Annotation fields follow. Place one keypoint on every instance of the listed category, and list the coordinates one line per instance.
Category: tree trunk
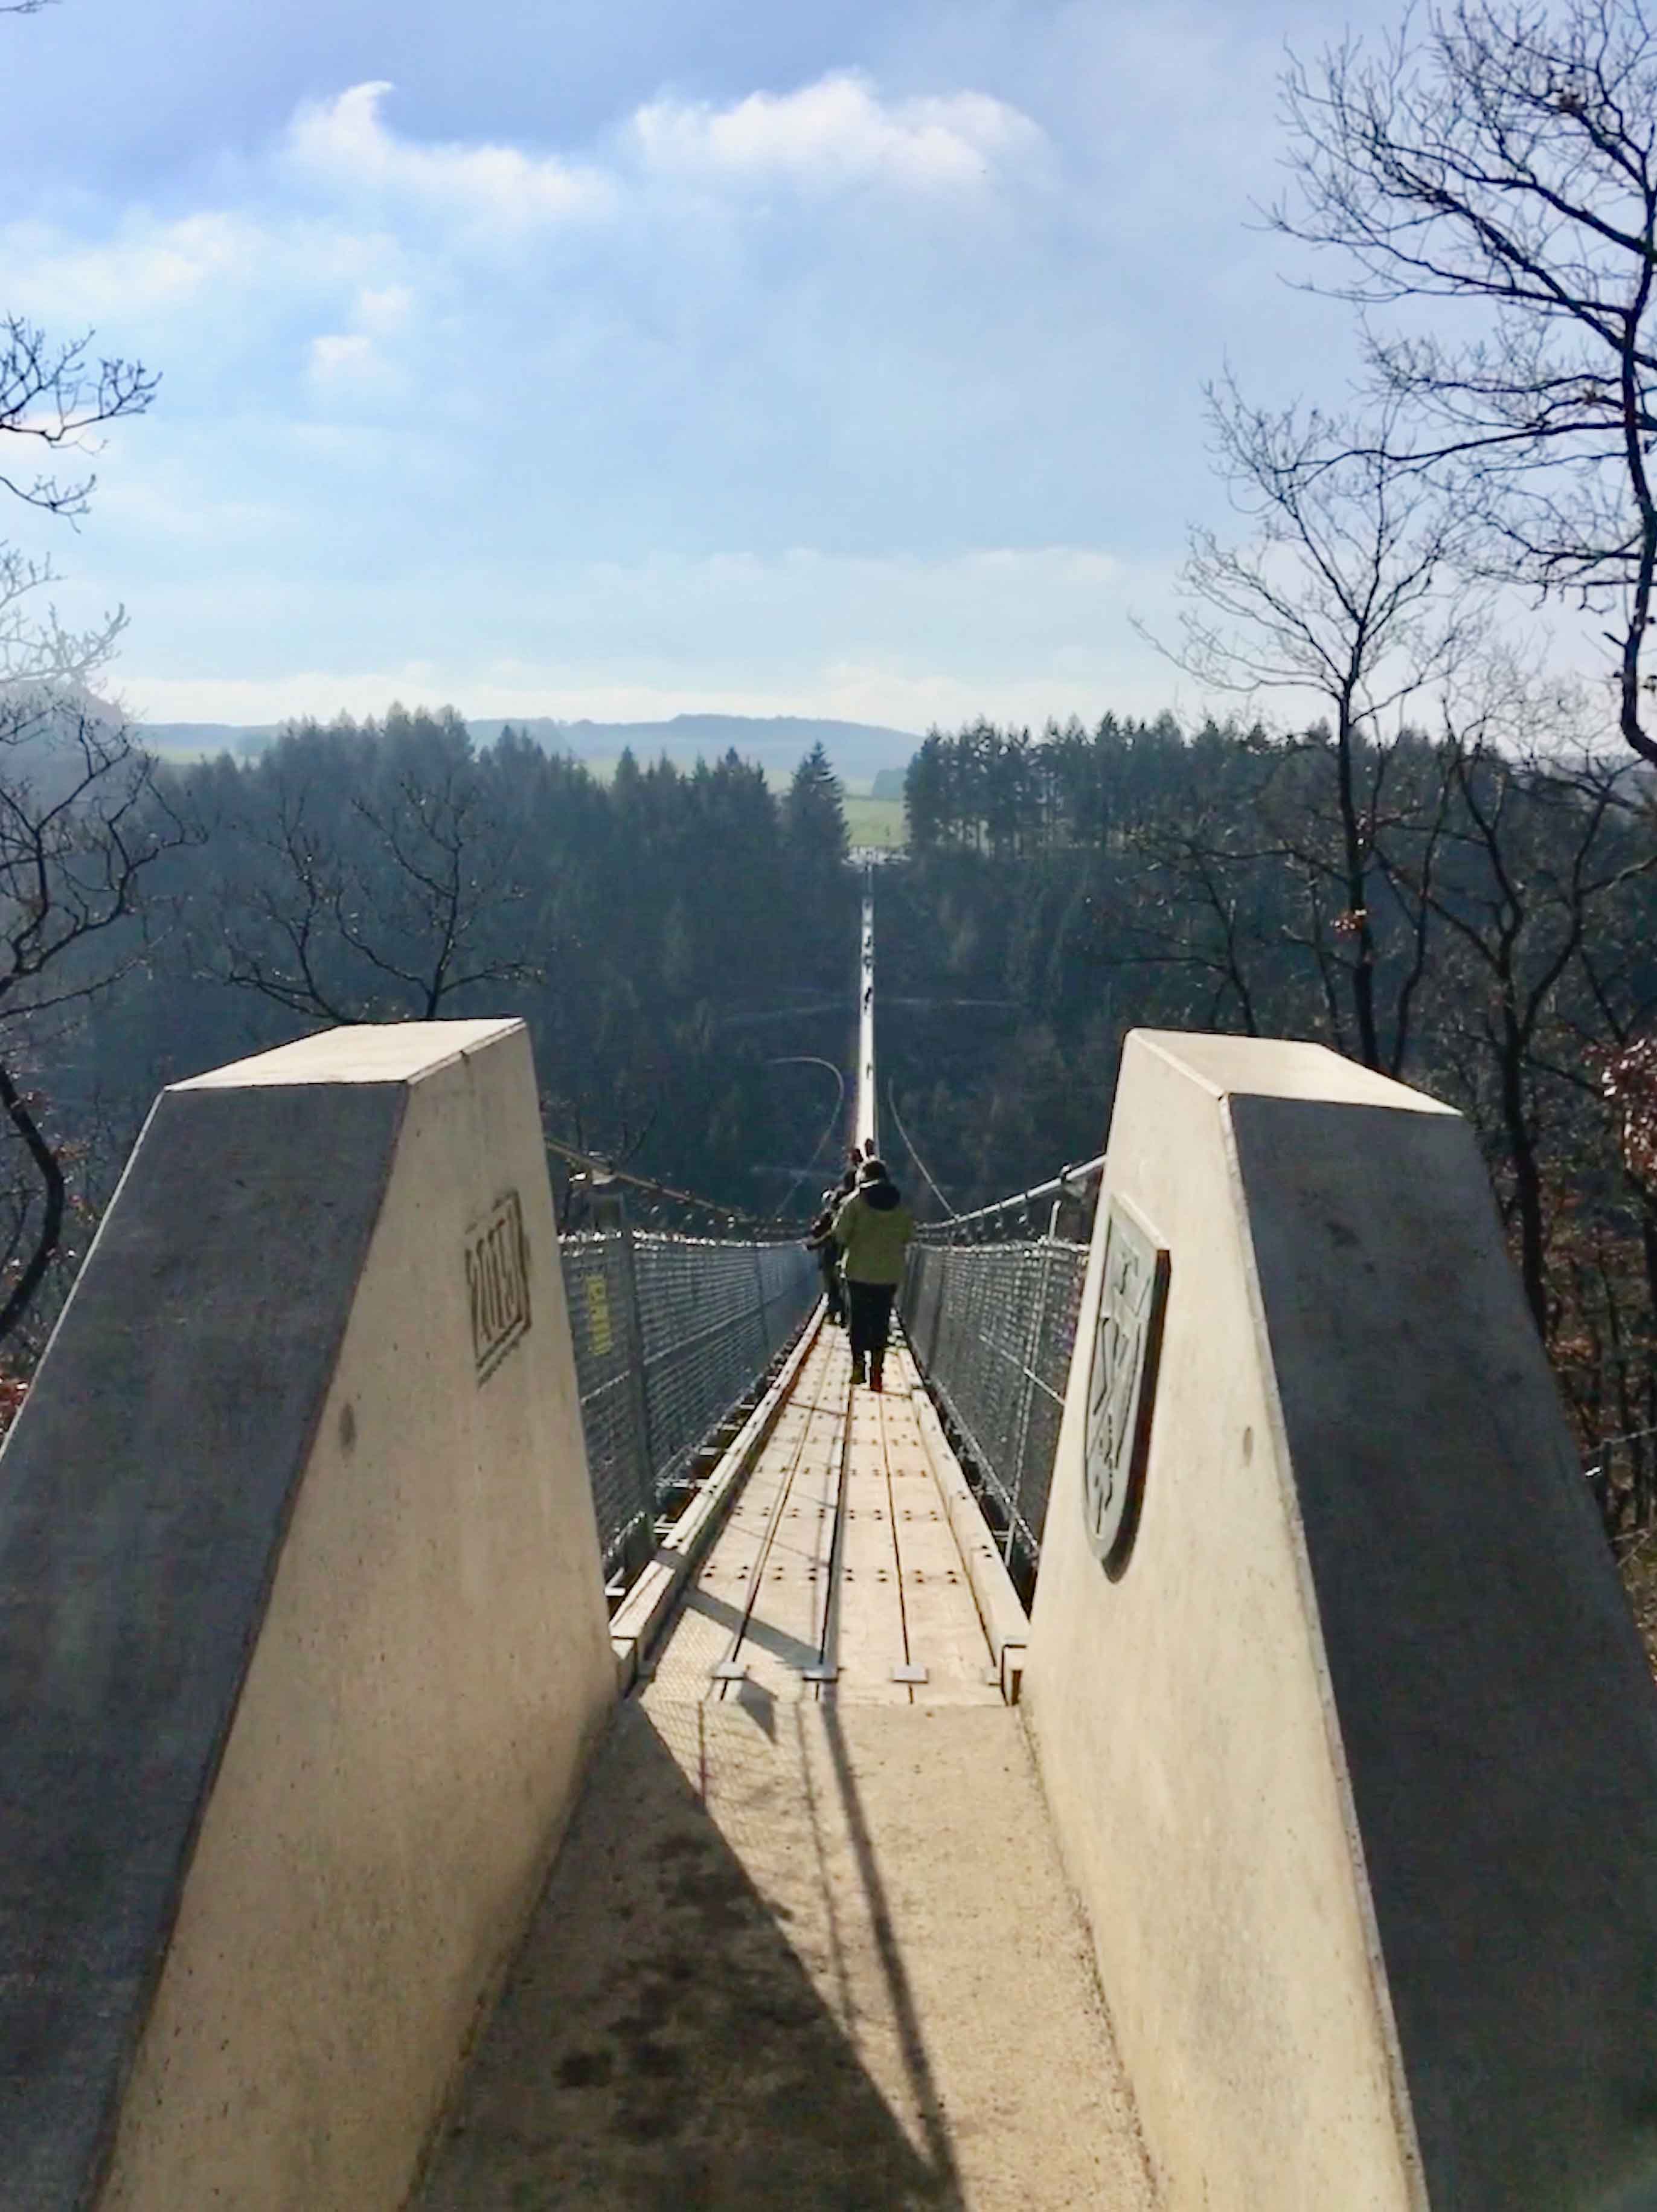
(52, 1220)
(1526, 1175)
(1358, 895)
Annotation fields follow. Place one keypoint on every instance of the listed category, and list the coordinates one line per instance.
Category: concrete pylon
(302, 1632)
(1347, 1732)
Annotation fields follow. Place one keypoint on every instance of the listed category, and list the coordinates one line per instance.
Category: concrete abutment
(1353, 1760)
(1348, 1745)
(303, 1643)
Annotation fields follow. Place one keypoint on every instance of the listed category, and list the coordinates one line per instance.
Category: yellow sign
(599, 1330)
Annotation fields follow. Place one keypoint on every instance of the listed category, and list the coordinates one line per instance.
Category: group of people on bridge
(860, 1237)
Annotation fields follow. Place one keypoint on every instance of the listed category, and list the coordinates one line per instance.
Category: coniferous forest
(1471, 911)
(1433, 851)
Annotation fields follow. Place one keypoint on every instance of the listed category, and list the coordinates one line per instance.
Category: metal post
(1032, 1351)
(759, 1297)
(642, 1543)
(935, 1263)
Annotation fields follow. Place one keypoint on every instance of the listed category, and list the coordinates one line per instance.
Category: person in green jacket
(872, 1229)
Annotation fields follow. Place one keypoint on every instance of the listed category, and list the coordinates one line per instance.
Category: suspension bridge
(493, 1719)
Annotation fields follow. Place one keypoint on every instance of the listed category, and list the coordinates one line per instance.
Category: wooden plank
(872, 1640)
(792, 1597)
(945, 1635)
(711, 1614)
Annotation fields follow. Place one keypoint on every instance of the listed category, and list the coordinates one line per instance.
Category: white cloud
(143, 264)
(343, 144)
(330, 354)
(345, 222)
(386, 309)
(1020, 633)
(172, 265)
(179, 285)
(343, 356)
(515, 399)
(835, 131)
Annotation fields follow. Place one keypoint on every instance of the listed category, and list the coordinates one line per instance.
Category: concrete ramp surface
(302, 1641)
(808, 1947)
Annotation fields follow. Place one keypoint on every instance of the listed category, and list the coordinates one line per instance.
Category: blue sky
(616, 360)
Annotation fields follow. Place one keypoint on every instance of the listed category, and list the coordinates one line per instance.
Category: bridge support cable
(671, 1332)
(803, 1174)
(866, 1124)
(921, 1168)
(989, 1303)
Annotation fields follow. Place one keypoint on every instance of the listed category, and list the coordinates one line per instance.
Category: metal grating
(670, 1332)
(991, 1327)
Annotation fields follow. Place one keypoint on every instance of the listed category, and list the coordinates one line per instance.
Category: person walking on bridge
(821, 1240)
(872, 1229)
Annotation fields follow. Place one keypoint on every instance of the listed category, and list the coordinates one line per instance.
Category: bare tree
(1201, 903)
(1502, 159)
(37, 648)
(1346, 591)
(53, 398)
(53, 395)
(1539, 843)
(1629, 1085)
(370, 875)
(1195, 917)
(82, 825)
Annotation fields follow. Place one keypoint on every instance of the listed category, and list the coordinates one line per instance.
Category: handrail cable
(811, 1060)
(1605, 1444)
(1059, 1185)
(602, 1168)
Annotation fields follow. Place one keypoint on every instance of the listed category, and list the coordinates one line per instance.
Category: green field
(876, 822)
(868, 821)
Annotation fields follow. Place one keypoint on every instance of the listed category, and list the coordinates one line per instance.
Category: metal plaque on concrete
(1122, 1380)
(497, 1283)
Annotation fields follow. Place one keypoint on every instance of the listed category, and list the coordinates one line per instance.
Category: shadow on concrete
(911, 2042)
(659, 2047)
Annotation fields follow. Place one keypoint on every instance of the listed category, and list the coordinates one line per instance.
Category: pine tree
(815, 823)
(816, 847)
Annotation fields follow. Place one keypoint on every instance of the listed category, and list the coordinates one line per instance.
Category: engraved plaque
(497, 1283)
(1122, 1381)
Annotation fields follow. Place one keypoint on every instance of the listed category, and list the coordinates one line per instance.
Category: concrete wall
(1355, 1765)
(303, 1640)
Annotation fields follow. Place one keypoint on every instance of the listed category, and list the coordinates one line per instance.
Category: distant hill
(192, 739)
(859, 751)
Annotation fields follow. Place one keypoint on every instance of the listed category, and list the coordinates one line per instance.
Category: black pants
(871, 1316)
(833, 1288)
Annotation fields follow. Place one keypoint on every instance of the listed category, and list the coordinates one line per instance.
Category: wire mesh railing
(670, 1332)
(989, 1305)
(1623, 1477)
